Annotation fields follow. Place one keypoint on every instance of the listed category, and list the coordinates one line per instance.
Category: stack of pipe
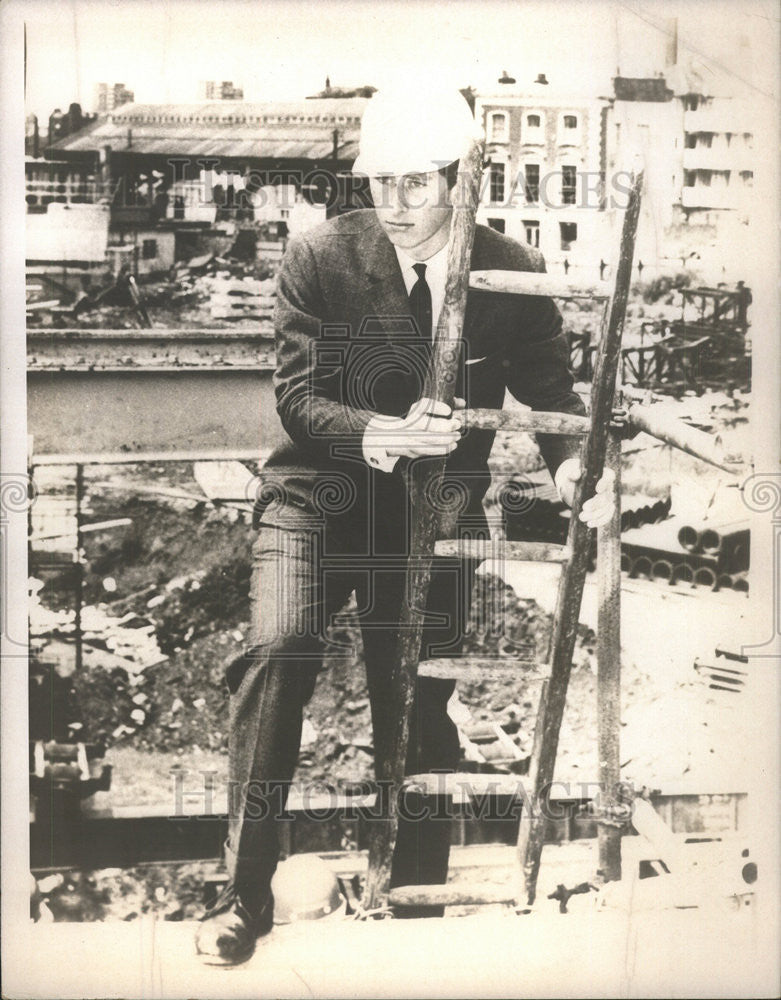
(637, 510)
(727, 542)
(710, 554)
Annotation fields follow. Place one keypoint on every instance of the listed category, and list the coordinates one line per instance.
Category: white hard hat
(305, 888)
(407, 131)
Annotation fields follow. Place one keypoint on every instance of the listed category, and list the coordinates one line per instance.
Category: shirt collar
(436, 265)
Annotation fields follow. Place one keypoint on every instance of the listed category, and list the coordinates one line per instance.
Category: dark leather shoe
(230, 928)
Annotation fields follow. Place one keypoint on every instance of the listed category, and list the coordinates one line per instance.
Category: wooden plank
(169, 337)
(225, 480)
(473, 668)
(546, 736)
(472, 548)
(120, 522)
(475, 894)
(533, 421)
(425, 520)
(134, 457)
(463, 785)
(609, 668)
(534, 283)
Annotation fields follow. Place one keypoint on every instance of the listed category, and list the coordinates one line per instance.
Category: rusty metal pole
(79, 596)
(673, 431)
(609, 669)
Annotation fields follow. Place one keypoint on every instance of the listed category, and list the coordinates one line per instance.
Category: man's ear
(450, 194)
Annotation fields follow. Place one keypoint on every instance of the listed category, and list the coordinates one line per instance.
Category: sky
(277, 49)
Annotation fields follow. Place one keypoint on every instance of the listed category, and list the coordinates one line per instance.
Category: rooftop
(258, 130)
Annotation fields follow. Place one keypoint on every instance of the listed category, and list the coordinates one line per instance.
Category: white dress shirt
(436, 278)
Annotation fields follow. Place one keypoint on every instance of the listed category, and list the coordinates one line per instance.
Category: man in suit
(357, 304)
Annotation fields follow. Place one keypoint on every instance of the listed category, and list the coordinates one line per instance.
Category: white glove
(597, 510)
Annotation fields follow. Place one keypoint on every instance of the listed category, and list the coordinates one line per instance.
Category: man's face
(414, 210)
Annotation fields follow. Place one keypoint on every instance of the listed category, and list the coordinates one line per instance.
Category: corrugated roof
(278, 130)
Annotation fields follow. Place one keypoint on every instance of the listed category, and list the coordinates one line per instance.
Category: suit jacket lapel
(475, 303)
(387, 292)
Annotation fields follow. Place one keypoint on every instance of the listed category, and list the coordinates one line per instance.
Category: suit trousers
(302, 576)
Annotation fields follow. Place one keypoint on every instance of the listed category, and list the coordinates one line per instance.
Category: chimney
(506, 78)
(541, 78)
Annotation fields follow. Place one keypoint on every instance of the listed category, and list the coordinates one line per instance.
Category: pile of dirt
(169, 892)
(185, 568)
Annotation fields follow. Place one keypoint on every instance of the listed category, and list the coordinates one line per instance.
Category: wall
(162, 243)
(68, 233)
(71, 411)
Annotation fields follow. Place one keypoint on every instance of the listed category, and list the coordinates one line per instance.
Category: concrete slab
(674, 953)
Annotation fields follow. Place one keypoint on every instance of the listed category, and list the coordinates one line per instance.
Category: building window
(569, 234)
(533, 129)
(497, 183)
(532, 230)
(705, 140)
(532, 179)
(689, 178)
(569, 130)
(568, 181)
(747, 176)
(497, 224)
(149, 249)
(691, 102)
(691, 140)
(498, 130)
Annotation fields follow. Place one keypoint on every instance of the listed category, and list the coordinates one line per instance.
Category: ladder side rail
(425, 521)
(609, 673)
(570, 592)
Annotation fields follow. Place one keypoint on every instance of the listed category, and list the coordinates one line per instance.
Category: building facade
(214, 90)
(559, 168)
(111, 95)
(545, 180)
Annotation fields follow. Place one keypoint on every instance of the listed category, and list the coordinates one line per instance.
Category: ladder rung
(483, 549)
(475, 668)
(533, 421)
(473, 894)
(462, 785)
(534, 283)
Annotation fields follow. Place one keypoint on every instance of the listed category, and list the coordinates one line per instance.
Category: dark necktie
(420, 302)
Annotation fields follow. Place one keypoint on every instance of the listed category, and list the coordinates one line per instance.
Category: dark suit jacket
(347, 349)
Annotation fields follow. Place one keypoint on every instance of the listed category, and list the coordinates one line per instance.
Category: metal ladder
(428, 525)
